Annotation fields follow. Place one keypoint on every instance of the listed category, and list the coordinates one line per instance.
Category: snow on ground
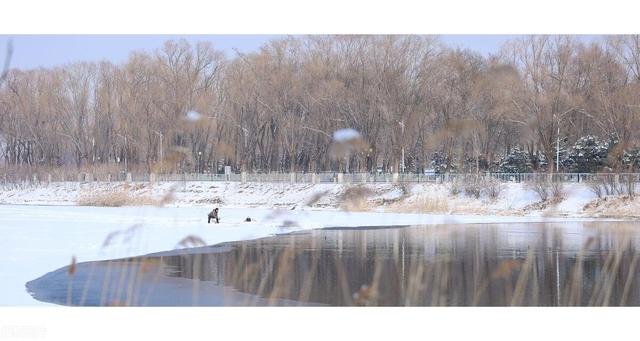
(576, 198)
(39, 239)
(514, 199)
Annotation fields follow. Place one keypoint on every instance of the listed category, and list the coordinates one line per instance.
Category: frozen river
(530, 264)
(36, 240)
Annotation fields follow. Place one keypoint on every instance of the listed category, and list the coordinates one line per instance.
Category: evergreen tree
(516, 161)
(539, 162)
(588, 155)
(470, 164)
(631, 159)
(442, 164)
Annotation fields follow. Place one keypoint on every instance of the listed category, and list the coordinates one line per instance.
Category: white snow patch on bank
(513, 197)
(575, 198)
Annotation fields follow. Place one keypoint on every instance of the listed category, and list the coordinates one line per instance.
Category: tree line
(190, 107)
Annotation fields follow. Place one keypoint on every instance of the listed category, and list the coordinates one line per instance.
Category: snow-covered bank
(514, 198)
(38, 239)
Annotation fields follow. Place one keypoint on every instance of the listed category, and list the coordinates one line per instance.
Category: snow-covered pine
(588, 154)
(631, 159)
(470, 164)
(442, 164)
(516, 161)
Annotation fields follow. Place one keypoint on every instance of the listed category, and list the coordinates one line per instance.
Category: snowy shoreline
(516, 199)
(42, 228)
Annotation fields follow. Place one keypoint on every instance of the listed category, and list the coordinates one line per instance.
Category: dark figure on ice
(213, 215)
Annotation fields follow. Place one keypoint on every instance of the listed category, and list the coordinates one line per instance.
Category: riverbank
(512, 199)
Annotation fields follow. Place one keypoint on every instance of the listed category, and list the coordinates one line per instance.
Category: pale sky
(33, 51)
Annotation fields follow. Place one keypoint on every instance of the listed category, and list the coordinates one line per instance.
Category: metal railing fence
(11, 181)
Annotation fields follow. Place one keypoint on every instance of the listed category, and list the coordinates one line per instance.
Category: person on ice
(213, 215)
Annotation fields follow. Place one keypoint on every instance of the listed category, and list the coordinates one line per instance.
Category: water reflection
(459, 265)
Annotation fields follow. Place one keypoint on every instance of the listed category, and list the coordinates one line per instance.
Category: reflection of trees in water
(481, 265)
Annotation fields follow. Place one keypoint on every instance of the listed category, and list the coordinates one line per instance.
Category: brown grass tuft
(355, 199)
(424, 204)
(72, 267)
(614, 207)
(119, 198)
(315, 198)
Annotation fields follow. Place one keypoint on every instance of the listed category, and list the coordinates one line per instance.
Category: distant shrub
(493, 187)
(472, 186)
(355, 198)
(546, 187)
(629, 184)
(455, 186)
(557, 189)
(405, 188)
(119, 198)
(475, 186)
(427, 203)
(611, 184)
(597, 186)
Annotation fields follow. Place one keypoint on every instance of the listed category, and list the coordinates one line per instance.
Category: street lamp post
(558, 149)
(559, 118)
(401, 123)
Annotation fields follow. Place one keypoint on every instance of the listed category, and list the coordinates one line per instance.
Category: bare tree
(189, 108)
